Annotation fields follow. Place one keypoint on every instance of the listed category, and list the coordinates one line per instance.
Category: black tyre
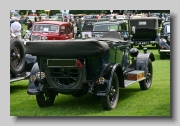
(157, 46)
(131, 45)
(162, 55)
(140, 46)
(45, 99)
(110, 101)
(17, 56)
(146, 84)
(158, 49)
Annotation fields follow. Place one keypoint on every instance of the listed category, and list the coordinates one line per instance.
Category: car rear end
(146, 30)
(66, 71)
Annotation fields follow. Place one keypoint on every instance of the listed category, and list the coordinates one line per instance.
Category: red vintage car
(51, 30)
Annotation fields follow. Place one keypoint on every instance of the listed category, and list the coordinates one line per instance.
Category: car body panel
(52, 30)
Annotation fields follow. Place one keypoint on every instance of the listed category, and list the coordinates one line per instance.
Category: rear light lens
(168, 38)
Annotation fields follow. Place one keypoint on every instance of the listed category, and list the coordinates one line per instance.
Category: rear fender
(30, 61)
(163, 43)
(34, 86)
(142, 60)
(107, 73)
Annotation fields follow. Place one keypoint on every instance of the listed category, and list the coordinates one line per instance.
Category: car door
(68, 32)
(63, 32)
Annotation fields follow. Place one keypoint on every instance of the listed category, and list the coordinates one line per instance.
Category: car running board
(17, 79)
(133, 77)
(129, 82)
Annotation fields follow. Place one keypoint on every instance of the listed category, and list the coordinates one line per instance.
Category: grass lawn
(132, 100)
(24, 28)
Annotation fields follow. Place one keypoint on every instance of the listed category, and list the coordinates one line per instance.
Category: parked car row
(102, 61)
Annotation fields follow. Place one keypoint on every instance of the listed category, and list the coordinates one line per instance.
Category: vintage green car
(98, 66)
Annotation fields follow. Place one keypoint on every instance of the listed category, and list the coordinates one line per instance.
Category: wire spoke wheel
(110, 101)
(146, 84)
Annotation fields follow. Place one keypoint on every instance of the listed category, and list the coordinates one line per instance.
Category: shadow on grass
(127, 92)
(157, 57)
(87, 104)
(17, 88)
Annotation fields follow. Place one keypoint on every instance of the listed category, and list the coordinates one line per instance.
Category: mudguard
(163, 43)
(34, 86)
(107, 73)
(29, 62)
(157, 38)
(142, 60)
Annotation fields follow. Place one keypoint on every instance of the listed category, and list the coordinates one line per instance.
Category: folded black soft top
(66, 48)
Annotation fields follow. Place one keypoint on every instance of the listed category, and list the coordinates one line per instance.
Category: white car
(31, 18)
(120, 17)
(43, 16)
(53, 18)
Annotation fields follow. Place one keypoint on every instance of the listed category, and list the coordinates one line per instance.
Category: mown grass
(132, 100)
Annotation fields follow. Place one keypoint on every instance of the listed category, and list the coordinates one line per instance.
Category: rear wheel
(162, 55)
(45, 99)
(146, 84)
(110, 101)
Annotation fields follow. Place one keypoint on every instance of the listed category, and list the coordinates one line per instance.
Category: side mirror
(133, 30)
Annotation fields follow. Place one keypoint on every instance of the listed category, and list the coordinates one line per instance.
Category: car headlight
(44, 38)
(168, 38)
(33, 78)
(40, 75)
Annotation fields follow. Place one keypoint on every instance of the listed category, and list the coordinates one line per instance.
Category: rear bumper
(144, 42)
(164, 50)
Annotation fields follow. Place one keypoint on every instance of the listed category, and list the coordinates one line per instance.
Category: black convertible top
(66, 48)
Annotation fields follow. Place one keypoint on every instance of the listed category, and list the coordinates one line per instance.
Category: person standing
(16, 29)
(35, 19)
(10, 16)
(76, 24)
(29, 25)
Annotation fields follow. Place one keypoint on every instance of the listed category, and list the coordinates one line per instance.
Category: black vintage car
(164, 42)
(146, 31)
(98, 66)
(20, 62)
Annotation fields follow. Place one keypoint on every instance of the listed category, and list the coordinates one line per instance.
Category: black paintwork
(164, 43)
(146, 31)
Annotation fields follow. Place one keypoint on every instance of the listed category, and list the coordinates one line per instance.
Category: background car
(53, 18)
(102, 27)
(43, 16)
(51, 30)
(20, 62)
(31, 18)
(164, 42)
(145, 31)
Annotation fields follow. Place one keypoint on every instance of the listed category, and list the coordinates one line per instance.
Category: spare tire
(17, 56)
(65, 79)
